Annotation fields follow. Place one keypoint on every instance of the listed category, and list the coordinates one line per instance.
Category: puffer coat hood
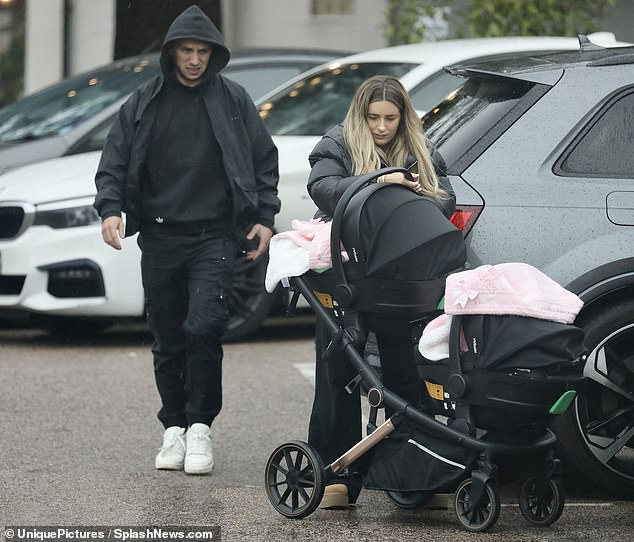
(193, 24)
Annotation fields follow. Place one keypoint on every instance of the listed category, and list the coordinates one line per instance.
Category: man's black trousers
(187, 280)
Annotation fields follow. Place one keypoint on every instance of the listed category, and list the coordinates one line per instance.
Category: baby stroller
(479, 411)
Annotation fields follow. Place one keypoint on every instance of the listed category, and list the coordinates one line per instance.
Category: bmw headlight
(66, 214)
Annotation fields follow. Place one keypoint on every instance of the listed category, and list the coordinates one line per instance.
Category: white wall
(92, 33)
(620, 20)
(270, 23)
(246, 23)
(5, 37)
(43, 52)
(91, 40)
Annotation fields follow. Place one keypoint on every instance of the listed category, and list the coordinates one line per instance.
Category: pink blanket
(293, 252)
(510, 288)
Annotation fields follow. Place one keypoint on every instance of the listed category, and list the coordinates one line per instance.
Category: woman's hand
(398, 177)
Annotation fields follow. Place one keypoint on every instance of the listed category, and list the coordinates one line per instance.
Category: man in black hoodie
(193, 168)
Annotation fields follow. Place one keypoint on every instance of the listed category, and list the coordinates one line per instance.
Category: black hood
(193, 24)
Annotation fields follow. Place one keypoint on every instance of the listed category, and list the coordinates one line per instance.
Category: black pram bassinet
(401, 249)
(514, 370)
(391, 233)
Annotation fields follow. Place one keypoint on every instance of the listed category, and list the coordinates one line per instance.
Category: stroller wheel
(541, 507)
(409, 500)
(295, 479)
(476, 517)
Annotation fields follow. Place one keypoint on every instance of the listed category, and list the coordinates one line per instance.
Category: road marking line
(307, 370)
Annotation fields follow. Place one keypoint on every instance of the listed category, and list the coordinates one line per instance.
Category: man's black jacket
(248, 152)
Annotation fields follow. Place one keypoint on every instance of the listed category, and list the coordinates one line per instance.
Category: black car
(539, 149)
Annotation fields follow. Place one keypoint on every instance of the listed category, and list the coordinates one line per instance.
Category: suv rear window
(310, 107)
(470, 119)
(605, 147)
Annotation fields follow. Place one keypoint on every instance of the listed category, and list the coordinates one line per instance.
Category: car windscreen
(472, 117)
(58, 108)
(263, 78)
(311, 106)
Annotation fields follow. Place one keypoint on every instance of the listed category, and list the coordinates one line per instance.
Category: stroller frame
(295, 476)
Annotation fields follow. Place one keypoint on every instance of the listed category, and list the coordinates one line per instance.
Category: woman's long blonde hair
(409, 139)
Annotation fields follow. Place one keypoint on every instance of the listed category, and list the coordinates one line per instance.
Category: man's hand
(112, 230)
(264, 234)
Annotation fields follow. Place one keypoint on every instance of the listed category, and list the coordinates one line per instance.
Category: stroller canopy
(390, 232)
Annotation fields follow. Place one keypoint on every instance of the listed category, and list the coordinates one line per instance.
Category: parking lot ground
(79, 435)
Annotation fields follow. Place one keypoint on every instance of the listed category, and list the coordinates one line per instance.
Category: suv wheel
(250, 303)
(597, 432)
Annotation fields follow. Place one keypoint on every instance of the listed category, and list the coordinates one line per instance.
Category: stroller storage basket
(413, 460)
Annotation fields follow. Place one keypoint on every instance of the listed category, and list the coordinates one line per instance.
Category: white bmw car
(54, 265)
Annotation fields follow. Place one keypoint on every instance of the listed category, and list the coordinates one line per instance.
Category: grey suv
(540, 151)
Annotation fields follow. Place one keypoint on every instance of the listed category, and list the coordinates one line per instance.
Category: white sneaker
(199, 458)
(171, 455)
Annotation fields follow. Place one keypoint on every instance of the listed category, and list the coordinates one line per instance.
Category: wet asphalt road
(78, 437)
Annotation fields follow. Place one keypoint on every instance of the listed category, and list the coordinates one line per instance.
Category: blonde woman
(381, 129)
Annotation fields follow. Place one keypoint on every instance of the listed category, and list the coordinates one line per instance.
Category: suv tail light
(465, 217)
